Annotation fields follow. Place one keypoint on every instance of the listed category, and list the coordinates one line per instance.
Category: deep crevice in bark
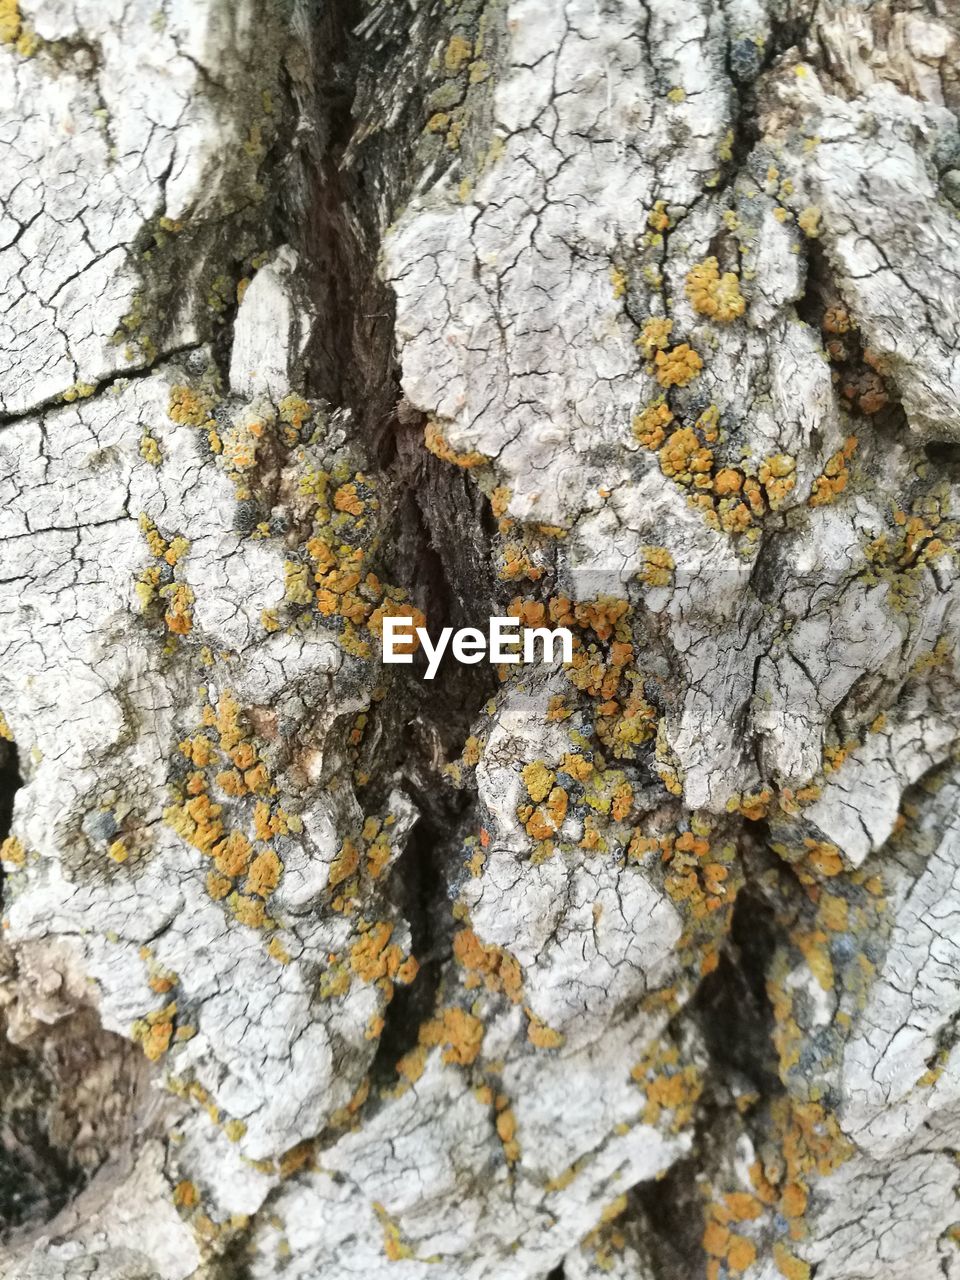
(73, 1103)
(731, 1006)
(36, 1177)
(438, 544)
(421, 893)
(10, 782)
(672, 1210)
(350, 361)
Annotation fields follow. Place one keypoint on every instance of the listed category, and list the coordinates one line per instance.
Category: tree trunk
(637, 317)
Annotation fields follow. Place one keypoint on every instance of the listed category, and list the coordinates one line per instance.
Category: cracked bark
(640, 317)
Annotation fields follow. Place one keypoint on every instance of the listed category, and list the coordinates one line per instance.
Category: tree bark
(632, 316)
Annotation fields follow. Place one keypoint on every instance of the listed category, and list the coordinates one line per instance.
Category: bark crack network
(636, 319)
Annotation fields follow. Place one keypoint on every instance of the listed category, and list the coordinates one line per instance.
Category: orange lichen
(179, 614)
(185, 1195)
(345, 863)
(678, 366)
(155, 1031)
(232, 856)
(368, 958)
(658, 219)
(176, 550)
(540, 1035)
(823, 858)
(458, 1031)
(434, 440)
(392, 609)
(487, 964)
(546, 819)
(685, 459)
(668, 1085)
(741, 1253)
(713, 294)
(788, 1264)
(837, 320)
(832, 482)
(199, 750)
(649, 426)
(264, 874)
(347, 499)
(727, 481)
(197, 821)
(500, 500)
(506, 1131)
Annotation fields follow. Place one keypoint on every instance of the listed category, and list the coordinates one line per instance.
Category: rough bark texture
(637, 315)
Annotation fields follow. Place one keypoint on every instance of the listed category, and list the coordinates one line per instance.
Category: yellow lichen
(9, 21)
(649, 426)
(538, 780)
(394, 1246)
(150, 449)
(506, 1123)
(808, 220)
(777, 474)
(178, 615)
(658, 566)
(457, 52)
(296, 583)
(248, 911)
(655, 335)
(189, 407)
(13, 852)
(658, 219)
(294, 411)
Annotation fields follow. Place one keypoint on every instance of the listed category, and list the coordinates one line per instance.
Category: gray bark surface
(635, 316)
